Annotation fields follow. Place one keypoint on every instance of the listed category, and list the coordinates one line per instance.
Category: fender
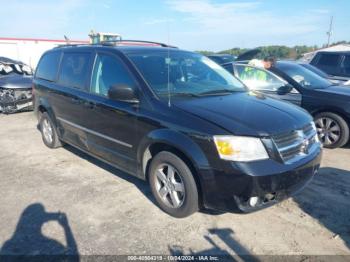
(176, 140)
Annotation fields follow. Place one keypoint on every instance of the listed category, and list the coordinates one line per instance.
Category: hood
(16, 81)
(248, 55)
(337, 90)
(247, 114)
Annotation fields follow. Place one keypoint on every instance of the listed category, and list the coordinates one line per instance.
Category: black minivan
(178, 120)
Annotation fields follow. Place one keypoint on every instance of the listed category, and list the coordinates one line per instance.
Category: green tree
(277, 51)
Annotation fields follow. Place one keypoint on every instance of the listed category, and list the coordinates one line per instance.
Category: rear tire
(173, 185)
(48, 131)
(332, 129)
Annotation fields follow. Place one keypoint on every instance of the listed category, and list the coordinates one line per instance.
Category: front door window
(108, 71)
(258, 79)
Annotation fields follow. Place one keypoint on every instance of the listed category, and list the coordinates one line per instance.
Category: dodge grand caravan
(179, 121)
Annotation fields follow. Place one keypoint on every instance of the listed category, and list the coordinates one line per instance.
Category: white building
(335, 48)
(28, 50)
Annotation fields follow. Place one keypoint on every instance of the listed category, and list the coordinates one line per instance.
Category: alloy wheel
(170, 186)
(47, 131)
(328, 130)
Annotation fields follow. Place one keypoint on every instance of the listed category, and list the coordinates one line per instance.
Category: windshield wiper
(217, 92)
(184, 94)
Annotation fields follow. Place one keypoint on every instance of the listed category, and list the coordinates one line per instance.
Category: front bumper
(14, 100)
(268, 181)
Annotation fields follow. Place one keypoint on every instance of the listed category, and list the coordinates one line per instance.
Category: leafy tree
(277, 51)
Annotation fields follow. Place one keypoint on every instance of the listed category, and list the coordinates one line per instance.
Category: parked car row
(15, 86)
(179, 121)
(290, 81)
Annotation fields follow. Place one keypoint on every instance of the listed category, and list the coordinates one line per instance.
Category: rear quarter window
(346, 66)
(74, 70)
(329, 60)
(48, 66)
(228, 67)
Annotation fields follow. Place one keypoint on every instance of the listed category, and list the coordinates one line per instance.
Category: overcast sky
(190, 24)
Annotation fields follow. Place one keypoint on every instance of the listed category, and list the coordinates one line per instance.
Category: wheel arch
(177, 143)
(333, 110)
(44, 106)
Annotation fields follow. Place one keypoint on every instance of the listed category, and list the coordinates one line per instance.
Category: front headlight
(240, 148)
(313, 125)
(317, 140)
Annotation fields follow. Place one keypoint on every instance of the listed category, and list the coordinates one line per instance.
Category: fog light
(253, 201)
(270, 196)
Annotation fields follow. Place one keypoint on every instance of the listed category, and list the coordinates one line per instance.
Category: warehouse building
(29, 50)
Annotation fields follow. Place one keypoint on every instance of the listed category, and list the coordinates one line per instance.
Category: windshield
(305, 77)
(315, 70)
(180, 73)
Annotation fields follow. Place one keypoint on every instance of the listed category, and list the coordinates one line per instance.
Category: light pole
(330, 31)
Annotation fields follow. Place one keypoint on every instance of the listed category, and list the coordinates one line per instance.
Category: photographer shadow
(28, 239)
(226, 235)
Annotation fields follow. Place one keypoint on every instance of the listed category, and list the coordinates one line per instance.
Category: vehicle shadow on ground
(140, 184)
(28, 239)
(216, 235)
(327, 200)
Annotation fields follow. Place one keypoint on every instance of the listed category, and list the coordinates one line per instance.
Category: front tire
(173, 185)
(332, 129)
(48, 131)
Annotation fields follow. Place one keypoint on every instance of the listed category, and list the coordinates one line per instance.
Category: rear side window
(74, 69)
(48, 66)
(329, 60)
(108, 71)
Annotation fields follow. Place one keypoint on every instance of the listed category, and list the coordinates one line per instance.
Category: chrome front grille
(296, 144)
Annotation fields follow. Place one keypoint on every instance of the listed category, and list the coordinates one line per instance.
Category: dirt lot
(109, 212)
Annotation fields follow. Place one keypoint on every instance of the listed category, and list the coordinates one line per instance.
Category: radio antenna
(168, 64)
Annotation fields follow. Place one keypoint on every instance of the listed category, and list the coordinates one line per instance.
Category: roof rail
(70, 45)
(114, 42)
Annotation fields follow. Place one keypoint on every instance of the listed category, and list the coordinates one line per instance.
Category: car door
(111, 128)
(69, 97)
(265, 82)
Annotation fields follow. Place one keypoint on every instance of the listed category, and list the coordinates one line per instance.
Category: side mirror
(122, 92)
(283, 90)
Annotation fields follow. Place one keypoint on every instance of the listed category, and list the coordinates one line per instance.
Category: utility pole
(330, 31)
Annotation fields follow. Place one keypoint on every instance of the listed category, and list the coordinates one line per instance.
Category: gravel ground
(63, 201)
